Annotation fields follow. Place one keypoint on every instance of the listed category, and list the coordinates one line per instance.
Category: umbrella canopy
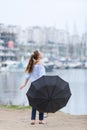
(48, 94)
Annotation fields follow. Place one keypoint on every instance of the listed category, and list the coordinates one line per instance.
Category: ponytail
(29, 67)
(33, 59)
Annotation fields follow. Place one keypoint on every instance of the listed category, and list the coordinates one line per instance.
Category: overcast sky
(62, 14)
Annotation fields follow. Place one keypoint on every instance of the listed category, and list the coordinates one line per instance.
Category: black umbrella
(48, 94)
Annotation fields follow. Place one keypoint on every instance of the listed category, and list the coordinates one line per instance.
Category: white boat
(11, 66)
(73, 64)
(85, 65)
(49, 66)
(76, 64)
(58, 65)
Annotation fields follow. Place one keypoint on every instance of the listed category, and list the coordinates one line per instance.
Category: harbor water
(10, 94)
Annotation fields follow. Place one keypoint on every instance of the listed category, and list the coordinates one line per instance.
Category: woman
(34, 71)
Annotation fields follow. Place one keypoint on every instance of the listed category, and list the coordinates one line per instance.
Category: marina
(19, 66)
(63, 54)
(58, 46)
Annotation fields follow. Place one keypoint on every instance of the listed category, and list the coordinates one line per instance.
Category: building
(8, 42)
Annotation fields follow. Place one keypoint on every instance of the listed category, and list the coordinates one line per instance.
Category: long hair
(33, 59)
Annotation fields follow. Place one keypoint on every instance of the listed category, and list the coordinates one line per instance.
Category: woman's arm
(27, 77)
(24, 84)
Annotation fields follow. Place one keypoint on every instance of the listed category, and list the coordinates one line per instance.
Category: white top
(37, 72)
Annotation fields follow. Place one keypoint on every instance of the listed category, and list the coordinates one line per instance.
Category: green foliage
(15, 107)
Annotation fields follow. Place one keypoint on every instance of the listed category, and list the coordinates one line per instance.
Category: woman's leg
(33, 116)
(41, 118)
(41, 115)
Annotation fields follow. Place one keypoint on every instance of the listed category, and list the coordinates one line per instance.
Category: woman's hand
(24, 84)
(22, 87)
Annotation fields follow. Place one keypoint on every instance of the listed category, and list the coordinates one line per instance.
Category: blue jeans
(33, 114)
